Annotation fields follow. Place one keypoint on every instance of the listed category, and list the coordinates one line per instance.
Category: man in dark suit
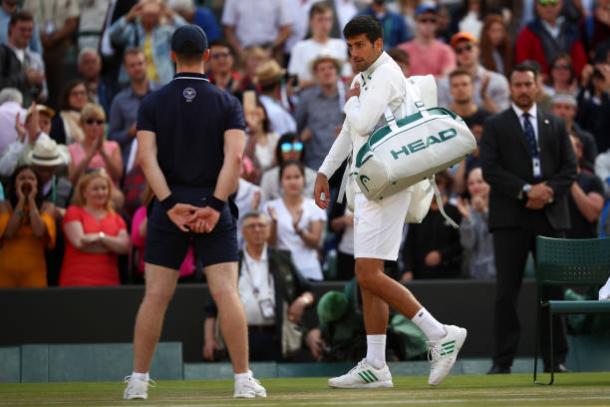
(529, 163)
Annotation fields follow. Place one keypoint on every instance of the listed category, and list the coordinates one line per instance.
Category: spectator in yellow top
(27, 227)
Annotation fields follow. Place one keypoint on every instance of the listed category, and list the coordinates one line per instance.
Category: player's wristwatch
(525, 190)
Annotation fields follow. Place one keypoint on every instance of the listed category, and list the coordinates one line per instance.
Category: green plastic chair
(569, 262)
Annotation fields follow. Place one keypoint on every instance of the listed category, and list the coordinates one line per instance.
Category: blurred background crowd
(73, 199)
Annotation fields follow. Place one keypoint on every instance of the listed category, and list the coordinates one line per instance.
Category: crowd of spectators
(73, 200)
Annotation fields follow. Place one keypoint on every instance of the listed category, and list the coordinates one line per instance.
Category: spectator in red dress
(95, 234)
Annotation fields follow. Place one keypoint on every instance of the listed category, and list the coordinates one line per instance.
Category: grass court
(572, 389)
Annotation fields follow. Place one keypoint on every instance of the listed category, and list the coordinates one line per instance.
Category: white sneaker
(443, 353)
(137, 389)
(363, 376)
(248, 389)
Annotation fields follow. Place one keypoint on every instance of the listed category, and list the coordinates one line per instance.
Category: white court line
(271, 401)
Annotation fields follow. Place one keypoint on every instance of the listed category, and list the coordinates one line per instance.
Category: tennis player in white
(378, 224)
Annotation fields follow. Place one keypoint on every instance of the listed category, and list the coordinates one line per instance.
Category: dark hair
(287, 164)
(363, 25)
(269, 87)
(527, 66)
(188, 59)
(445, 176)
(399, 55)
(560, 56)
(65, 94)
(286, 138)
(222, 43)
(460, 72)
(266, 121)
(319, 8)
(11, 192)
(20, 16)
(487, 48)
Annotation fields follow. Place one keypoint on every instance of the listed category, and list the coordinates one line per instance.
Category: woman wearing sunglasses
(297, 222)
(93, 151)
(289, 148)
(562, 78)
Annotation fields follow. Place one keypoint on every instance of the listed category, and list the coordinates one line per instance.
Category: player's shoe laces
(443, 353)
(363, 376)
(249, 388)
(136, 388)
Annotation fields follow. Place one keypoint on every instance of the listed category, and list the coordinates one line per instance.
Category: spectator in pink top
(94, 151)
(138, 238)
(427, 54)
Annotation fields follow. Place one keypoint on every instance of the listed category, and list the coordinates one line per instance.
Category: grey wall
(100, 315)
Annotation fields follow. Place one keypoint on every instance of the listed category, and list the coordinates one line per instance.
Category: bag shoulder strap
(439, 202)
(410, 90)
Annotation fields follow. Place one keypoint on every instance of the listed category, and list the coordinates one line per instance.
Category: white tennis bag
(408, 151)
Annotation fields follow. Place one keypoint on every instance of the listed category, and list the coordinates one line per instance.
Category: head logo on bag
(364, 180)
(420, 144)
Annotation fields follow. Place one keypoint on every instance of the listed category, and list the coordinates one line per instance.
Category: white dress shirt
(280, 119)
(8, 113)
(306, 51)
(533, 112)
(256, 22)
(254, 276)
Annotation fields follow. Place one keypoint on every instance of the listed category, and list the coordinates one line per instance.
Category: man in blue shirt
(190, 143)
(395, 29)
(7, 9)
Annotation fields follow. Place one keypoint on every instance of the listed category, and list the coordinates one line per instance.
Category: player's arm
(338, 153)
(363, 112)
(205, 219)
(228, 178)
(147, 157)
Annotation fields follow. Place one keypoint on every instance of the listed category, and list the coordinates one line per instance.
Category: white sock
(140, 376)
(242, 376)
(375, 350)
(433, 329)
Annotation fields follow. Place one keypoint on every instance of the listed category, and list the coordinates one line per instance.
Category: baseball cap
(189, 39)
(331, 307)
(425, 8)
(462, 36)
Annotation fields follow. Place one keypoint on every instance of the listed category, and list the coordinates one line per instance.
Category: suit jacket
(507, 167)
(12, 73)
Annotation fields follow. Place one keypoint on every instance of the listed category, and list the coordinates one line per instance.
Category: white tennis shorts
(378, 225)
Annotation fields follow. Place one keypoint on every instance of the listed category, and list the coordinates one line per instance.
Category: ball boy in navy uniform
(190, 143)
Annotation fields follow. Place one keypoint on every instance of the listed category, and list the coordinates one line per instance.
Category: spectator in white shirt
(11, 109)
(306, 51)
(297, 222)
(266, 23)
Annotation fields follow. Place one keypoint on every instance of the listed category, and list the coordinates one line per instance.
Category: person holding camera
(27, 227)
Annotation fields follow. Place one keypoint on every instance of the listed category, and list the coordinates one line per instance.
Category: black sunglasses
(94, 121)
(459, 50)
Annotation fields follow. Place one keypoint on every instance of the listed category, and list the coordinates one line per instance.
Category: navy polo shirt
(189, 116)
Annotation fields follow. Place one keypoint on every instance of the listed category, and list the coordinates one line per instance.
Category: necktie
(530, 136)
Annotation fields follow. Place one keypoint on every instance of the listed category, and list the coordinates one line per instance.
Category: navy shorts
(166, 245)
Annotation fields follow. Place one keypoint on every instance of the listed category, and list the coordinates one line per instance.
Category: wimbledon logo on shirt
(422, 144)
